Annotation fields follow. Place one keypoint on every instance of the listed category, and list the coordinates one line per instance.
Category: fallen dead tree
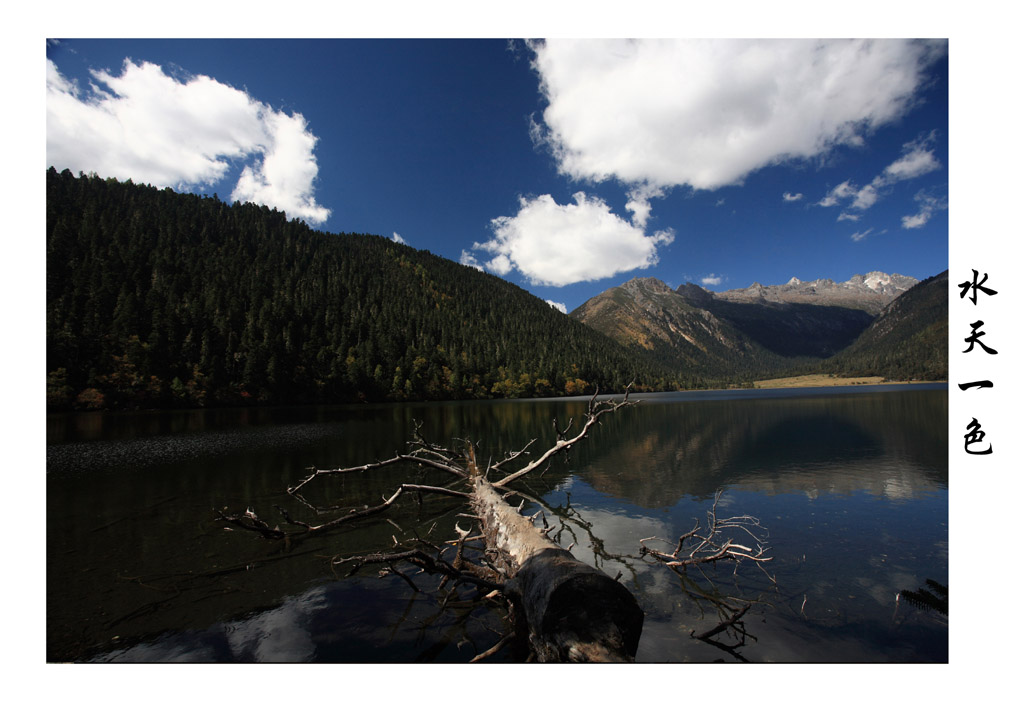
(566, 609)
(561, 609)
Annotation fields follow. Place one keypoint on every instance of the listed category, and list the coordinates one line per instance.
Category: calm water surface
(851, 484)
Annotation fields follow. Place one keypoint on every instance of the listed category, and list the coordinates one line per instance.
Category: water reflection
(852, 487)
(889, 445)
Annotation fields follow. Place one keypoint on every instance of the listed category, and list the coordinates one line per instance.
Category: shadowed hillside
(157, 299)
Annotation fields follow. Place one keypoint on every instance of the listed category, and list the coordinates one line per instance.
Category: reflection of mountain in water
(891, 444)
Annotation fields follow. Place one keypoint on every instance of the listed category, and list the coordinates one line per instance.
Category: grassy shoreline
(829, 381)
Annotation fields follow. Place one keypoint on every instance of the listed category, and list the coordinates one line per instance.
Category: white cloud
(840, 192)
(916, 221)
(397, 238)
(860, 235)
(553, 244)
(791, 197)
(928, 206)
(558, 305)
(707, 113)
(917, 160)
(501, 264)
(711, 280)
(148, 126)
(846, 216)
(469, 259)
(639, 203)
(653, 115)
(865, 197)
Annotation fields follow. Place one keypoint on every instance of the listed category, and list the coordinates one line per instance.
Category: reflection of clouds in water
(174, 650)
(726, 500)
(281, 634)
(898, 487)
(892, 576)
(566, 484)
(620, 534)
(884, 591)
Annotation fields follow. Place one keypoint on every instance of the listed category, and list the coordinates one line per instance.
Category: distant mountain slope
(156, 298)
(755, 331)
(788, 329)
(869, 292)
(907, 341)
(816, 319)
(646, 313)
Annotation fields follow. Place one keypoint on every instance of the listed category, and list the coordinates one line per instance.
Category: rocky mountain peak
(695, 294)
(640, 287)
(869, 292)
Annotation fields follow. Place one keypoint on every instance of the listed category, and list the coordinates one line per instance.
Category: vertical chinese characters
(974, 438)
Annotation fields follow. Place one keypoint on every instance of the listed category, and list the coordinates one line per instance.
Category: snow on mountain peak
(875, 279)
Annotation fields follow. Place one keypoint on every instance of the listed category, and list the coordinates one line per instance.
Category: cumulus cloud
(792, 197)
(928, 206)
(711, 280)
(148, 126)
(639, 204)
(397, 238)
(653, 115)
(469, 259)
(846, 216)
(707, 113)
(554, 244)
(558, 305)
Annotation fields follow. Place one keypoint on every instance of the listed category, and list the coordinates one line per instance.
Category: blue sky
(564, 167)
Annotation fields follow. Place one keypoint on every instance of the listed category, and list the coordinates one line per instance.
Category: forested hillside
(909, 340)
(156, 298)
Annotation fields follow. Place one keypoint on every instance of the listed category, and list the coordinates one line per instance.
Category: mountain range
(765, 329)
(871, 292)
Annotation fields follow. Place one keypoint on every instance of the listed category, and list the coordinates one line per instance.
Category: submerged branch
(712, 545)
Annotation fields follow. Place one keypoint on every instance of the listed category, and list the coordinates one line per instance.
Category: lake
(850, 485)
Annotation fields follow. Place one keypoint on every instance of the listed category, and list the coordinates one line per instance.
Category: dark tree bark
(572, 612)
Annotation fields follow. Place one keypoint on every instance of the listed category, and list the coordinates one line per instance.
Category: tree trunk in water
(569, 611)
(573, 612)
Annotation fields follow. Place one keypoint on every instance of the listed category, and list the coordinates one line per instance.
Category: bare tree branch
(711, 546)
(445, 466)
(251, 522)
(595, 410)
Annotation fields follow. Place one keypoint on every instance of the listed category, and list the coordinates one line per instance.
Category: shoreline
(830, 381)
